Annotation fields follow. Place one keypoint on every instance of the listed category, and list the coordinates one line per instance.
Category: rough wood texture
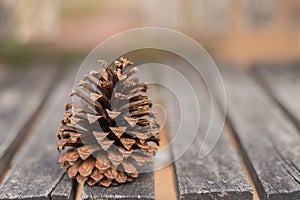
(19, 102)
(64, 189)
(269, 141)
(217, 176)
(36, 172)
(283, 84)
(140, 188)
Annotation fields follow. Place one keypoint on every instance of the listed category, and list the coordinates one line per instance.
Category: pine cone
(109, 130)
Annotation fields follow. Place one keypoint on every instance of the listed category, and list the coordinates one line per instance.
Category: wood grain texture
(64, 189)
(140, 188)
(219, 175)
(20, 100)
(282, 82)
(269, 141)
(36, 172)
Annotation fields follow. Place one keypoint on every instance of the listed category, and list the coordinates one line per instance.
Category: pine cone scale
(87, 167)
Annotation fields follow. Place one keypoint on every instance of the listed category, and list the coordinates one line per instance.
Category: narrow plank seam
(55, 185)
(165, 136)
(78, 190)
(290, 168)
(264, 85)
(243, 157)
(18, 143)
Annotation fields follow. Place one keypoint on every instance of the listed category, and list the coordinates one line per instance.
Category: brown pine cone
(109, 128)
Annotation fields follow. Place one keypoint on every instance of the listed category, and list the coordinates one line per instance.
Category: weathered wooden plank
(36, 172)
(219, 175)
(269, 141)
(140, 188)
(19, 102)
(64, 189)
(283, 84)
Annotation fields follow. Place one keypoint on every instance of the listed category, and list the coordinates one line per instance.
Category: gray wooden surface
(269, 141)
(20, 100)
(140, 188)
(65, 189)
(36, 172)
(283, 84)
(217, 176)
(267, 137)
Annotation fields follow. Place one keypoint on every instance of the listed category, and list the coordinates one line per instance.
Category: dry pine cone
(109, 130)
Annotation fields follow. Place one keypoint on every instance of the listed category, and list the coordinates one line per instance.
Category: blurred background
(239, 32)
(232, 31)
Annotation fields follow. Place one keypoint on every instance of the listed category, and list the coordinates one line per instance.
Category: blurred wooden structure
(254, 30)
(29, 21)
(241, 31)
(5, 18)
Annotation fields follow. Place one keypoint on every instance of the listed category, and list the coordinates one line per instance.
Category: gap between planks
(164, 180)
(18, 146)
(25, 134)
(78, 188)
(261, 80)
(234, 143)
